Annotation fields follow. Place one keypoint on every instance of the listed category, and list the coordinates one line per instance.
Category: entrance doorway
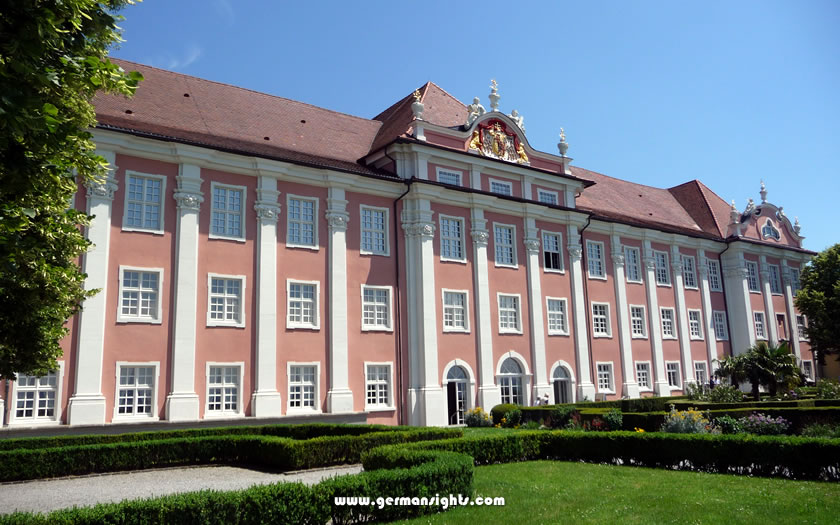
(562, 385)
(456, 395)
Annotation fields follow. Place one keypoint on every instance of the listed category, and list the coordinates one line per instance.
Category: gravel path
(54, 494)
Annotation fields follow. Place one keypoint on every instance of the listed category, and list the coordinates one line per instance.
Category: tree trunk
(755, 393)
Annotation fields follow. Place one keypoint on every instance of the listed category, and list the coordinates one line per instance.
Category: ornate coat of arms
(492, 139)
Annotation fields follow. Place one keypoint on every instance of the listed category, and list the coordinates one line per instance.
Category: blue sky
(658, 93)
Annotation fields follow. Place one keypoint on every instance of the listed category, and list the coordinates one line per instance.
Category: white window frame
(297, 325)
(689, 270)
(774, 234)
(800, 328)
(378, 407)
(644, 387)
(315, 222)
(634, 263)
(35, 420)
(316, 399)
(548, 193)
(661, 270)
(611, 388)
(386, 231)
(714, 275)
(507, 183)
(447, 171)
(121, 318)
(564, 329)
(752, 277)
(162, 179)
(559, 251)
(512, 228)
(672, 319)
(607, 319)
(705, 372)
(602, 275)
(775, 279)
(691, 332)
(763, 325)
(518, 313)
(720, 315)
(808, 371)
(679, 382)
(240, 401)
(244, 190)
(795, 282)
(461, 239)
(643, 334)
(457, 329)
(242, 295)
(376, 327)
(153, 416)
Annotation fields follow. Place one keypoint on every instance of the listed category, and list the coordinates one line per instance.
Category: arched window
(456, 394)
(562, 385)
(770, 231)
(510, 380)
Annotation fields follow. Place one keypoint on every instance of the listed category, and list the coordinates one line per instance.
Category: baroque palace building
(261, 257)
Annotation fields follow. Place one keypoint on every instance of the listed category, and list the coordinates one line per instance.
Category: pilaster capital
(101, 188)
(676, 267)
(764, 274)
(649, 262)
(480, 237)
(703, 267)
(419, 229)
(787, 277)
(266, 206)
(618, 259)
(532, 245)
(736, 271)
(337, 220)
(575, 251)
(187, 200)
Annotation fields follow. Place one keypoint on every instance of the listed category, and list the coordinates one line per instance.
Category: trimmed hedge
(799, 417)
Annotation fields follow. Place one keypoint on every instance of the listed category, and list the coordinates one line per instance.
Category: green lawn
(538, 492)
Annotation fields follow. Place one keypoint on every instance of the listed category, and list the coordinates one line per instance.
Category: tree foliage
(819, 300)
(53, 59)
(764, 364)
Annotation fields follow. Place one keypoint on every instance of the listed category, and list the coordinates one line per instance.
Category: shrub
(532, 425)
(725, 394)
(764, 425)
(561, 415)
(821, 430)
(477, 417)
(499, 411)
(728, 425)
(512, 418)
(686, 422)
(828, 389)
(697, 392)
(613, 419)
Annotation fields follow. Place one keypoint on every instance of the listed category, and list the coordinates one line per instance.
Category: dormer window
(769, 231)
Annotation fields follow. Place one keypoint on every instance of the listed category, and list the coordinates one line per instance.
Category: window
(552, 252)
(376, 308)
(775, 280)
(503, 238)
(557, 318)
(456, 383)
(143, 202)
(226, 300)
(228, 214)
(302, 304)
(378, 386)
(303, 386)
(667, 315)
(140, 300)
(663, 275)
(800, 327)
(374, 224)
(455, 311)
(808, 370)
(501, 187)
(509, 314)
(601, 319)
(768, 231)
(510, 381)
(135, 390)
(547, 197)
(36, 398)
(452, 239)
(638, 326)
(595, 259)
(758, 318)
(695, 324)
(223, 394)
(714, 275)
(632, 270)
(689, 275)
(672, 370)
(605, 377)
(449, 177)
(752, 276)
(794, 280)
(701, 374)
(643, 375)
(302, 230)
(721, 331)
(781, 327)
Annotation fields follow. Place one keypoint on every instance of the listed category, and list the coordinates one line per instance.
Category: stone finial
(474, 111)
(734, 216)
(519, 119)
(494, 96)
(417, 106)
(750, 207)
(763, 192)
(562, 146)
(796, 226)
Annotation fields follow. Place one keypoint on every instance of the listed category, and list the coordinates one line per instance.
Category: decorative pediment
(494, 138)
(766, 220)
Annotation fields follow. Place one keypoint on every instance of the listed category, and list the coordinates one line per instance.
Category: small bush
(764, 425)
(828, 389)
(821, 430)
(728, 425)
(477, 417)
(512, 418)
(561, 415)
(499, 411)
(532, 425)
(725, 394)
(697, 392)
(613, 419)
(686, 422)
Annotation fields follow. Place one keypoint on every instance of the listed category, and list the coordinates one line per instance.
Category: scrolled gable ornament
(492, 138)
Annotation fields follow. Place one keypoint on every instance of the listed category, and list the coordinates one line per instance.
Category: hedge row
(412, 472)
(276, 453)
(799, 417)
(804, 403)
(779, 456)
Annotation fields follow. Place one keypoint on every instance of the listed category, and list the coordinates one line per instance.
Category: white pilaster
(629, 387)
(426, 406)
(266, 401)
(535, 302)
(182, 402)
(738, 305)
(770, 313)
(682, 317)
(489, 394)
(339, 396)
(660, 383)
(87, 405)
(586, 389)
(475, 179)
(793, 328)
(708, 317)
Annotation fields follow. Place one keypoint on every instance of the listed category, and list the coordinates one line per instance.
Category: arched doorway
(510, 381)
(562, 385)
(456, 395)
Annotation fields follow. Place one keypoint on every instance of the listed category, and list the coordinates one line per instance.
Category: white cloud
(174, 62)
